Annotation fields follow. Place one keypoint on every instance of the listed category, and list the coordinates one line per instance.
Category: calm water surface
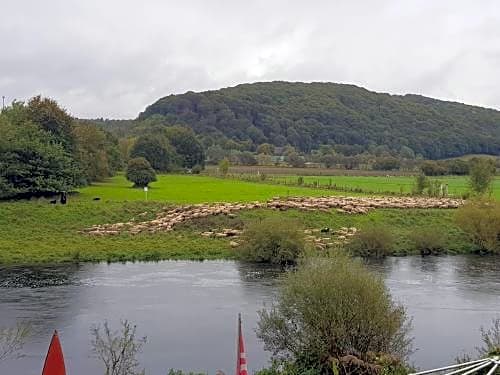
(188, 309)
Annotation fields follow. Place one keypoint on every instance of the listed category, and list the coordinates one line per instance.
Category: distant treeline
(349, 118)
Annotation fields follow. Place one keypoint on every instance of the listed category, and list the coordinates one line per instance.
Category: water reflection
(188, 309)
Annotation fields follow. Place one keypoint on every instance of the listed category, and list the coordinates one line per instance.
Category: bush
(197, 169)
(480, 219)
(372, 241)
(428, 241)
(482, 172)
(273, 240)
(332, 311)
(420, 184)
(140, 172)
(224, 167)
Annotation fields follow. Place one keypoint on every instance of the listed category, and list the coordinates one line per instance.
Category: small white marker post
(146, 191)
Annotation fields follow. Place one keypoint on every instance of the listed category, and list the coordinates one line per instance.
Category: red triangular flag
(241, 361)
(54, 362)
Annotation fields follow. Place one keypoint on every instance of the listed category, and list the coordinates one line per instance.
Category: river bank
(37, 232)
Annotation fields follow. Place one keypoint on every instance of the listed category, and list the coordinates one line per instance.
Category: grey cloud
(112, 58)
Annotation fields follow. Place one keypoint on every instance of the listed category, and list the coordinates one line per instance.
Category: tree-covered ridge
(307, 115)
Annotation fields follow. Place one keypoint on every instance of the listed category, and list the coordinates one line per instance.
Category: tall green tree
(156, 150)
(265, 148)
(96, 151)
(32, 162)
(46, 113)
(187, 146)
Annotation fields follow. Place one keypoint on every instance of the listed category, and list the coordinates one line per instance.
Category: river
(188, 310)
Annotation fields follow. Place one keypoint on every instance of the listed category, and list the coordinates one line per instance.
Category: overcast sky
(111, 58)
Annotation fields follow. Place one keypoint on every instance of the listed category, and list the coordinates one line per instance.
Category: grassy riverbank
(38, 232)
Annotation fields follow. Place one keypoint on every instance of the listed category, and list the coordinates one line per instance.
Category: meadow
(193, 189)
(388, 184)
(39, 232)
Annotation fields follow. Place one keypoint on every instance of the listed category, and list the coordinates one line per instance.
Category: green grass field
(457, 185)
(39, 232)
(193, 189)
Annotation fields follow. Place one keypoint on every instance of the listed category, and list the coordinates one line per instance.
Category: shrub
(420, 184)
(140, 172)
(372, 241)
(331, 311)
(197, 169)
(482, 173)
(273, 240)
(428, 240)
(224, 167)
(480, 219)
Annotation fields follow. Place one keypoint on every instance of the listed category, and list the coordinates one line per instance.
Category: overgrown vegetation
(490, 337)
(333, 316)
(428, 240)
(374, 240)
(490, 343)
(480, 219)
(272, 240)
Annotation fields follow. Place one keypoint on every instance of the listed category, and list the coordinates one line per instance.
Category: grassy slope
(35, 232)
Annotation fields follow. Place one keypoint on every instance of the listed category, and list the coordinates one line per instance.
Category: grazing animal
(96, 199)
(53, 202)
(64, 197)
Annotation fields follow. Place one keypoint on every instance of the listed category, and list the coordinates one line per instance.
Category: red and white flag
(241, 360)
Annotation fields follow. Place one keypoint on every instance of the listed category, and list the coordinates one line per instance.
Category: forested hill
(307, 115)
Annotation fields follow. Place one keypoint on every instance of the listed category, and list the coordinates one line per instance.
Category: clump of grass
(372, 241)
(275, 240)
(428, 241)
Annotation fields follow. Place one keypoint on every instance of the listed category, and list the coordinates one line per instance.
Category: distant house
(277, 159)
(310, 164)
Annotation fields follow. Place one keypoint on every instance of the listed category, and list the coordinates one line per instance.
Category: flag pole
(238, 345)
